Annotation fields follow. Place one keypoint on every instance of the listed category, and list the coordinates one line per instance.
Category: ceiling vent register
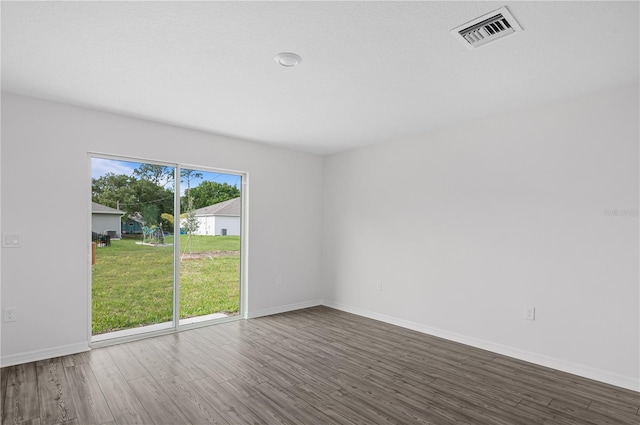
(487, 28)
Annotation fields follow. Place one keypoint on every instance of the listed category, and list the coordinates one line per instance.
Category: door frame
(175, 324)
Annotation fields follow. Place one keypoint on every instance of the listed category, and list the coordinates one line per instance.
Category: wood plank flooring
(311, 366)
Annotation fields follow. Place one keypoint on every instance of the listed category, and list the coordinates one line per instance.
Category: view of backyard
(132, 284)
(135, 210)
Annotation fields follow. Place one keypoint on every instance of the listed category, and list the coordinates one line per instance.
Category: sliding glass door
(165, 246)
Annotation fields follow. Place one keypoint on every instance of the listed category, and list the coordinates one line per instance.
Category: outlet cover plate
(9, 315)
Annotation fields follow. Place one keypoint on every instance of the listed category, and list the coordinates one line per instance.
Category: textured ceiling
(371, 72)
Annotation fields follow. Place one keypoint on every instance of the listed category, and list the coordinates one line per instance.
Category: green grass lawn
(132, 284)
(207, 243)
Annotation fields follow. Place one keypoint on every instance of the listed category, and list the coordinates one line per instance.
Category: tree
(113, 190)
(168, 218)
(209, 193)
(187, 175)
(131, 195)
(159, 175)
(150, 215)
(152, 229)
(190, 224)
(148, 193)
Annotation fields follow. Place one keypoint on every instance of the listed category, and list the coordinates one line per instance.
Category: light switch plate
(10, 240)
(529, 313)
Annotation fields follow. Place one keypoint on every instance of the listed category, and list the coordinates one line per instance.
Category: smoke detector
(288, 59)
(487, 28)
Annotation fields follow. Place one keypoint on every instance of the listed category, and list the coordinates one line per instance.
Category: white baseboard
(539, 359)
(34, 356)
(283, 309)
(562, 365)
(37, 355)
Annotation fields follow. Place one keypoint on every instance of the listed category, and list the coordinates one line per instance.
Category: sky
(102, 166)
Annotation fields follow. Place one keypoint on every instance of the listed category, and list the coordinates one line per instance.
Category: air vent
(487, 28)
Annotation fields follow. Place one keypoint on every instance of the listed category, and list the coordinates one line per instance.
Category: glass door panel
(132, 279)
(210, 226)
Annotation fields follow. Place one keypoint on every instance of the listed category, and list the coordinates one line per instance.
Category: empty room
(320, 212)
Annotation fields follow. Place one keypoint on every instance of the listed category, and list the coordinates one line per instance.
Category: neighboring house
(105, 220)
(133, 224)
(220, 219)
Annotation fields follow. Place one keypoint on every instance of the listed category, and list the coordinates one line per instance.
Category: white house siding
(207, 225)
(232, 224)
(100, 223)
(212, 225)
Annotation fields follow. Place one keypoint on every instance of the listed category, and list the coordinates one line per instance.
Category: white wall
(213, 225)
(100, 223)
(486, 218)
(45, 163)
(206, 226)
(466, 226)
(232, 224)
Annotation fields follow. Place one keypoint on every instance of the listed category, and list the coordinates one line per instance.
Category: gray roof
(103, 209)
(135, 217)
(230, 208)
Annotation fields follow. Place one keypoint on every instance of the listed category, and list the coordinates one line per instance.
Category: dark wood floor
(312, 366)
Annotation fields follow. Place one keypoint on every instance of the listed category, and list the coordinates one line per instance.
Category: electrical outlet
(379, 285)
(529, 313)
(10, 315)
(278, 280)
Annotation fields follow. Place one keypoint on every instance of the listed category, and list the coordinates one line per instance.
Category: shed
(133, 224)
(105, 220)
